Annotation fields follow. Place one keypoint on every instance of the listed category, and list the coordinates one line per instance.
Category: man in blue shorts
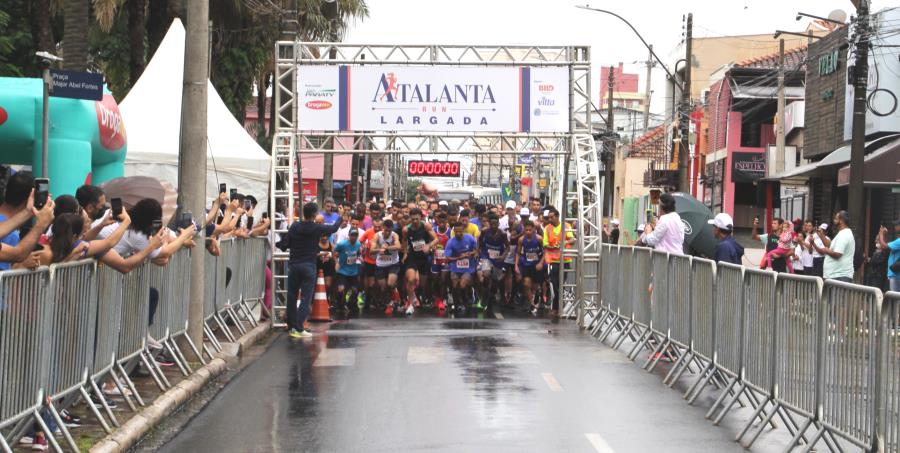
(462, 255)
(347, 258)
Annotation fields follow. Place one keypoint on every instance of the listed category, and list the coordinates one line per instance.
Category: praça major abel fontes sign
(433, 99)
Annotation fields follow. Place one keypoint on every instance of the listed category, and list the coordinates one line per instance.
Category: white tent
(152, 116)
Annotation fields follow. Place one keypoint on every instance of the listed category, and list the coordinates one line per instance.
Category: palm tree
(75, 37)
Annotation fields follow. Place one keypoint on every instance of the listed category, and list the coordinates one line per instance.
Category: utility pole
(650, 65)
(192, 155)
(684, 112)
(611, 140)
(331, 11)
(856, 195)
(779, 128)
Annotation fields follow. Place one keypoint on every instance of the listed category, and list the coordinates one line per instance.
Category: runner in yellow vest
(552, 234)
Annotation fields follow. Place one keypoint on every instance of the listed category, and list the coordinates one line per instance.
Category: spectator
(839, 251)
(803, 263)
(92, 200)
(303, 241)
(893, 263)
(554, 244)
(611, 231)
(17, 208)
(67, 243)
(812, 236)
(668, 234)
(727, 250)
(770, 241)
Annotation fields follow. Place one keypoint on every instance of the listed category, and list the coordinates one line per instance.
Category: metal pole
(647, 91)
(192, 156)
(779, 129)
(684, 177)
(610, 140)
(45, 126)
(856, 195)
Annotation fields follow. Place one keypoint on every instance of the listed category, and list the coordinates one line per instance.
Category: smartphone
(156, 226)
(116, 206)
(223, 188)
(248, 205)
(233, 194)
(220, 219)
(41, 192)
(249, 223)
(265, 215)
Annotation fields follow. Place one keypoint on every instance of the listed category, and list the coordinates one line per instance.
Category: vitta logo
(318, 104)
(109, 121)
(546, 102)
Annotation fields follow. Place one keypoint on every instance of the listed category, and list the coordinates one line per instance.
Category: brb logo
(3, 116)
(112, 129)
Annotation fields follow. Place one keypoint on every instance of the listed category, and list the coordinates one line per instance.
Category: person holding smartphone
(17, 208)
(68, 244)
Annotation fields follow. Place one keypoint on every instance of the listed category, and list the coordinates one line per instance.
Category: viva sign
(390, 98)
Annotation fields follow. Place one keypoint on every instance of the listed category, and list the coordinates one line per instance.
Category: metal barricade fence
(110, 293)
(679, 275)
(25, 305)
(133, 334)
(889, 397)
(848, 360)
(659, 296)
(797, 305)
(223, 309)
(254, 286)
(179, 268)
(209, 286)
(640, 287)
(73, 316)
(758, 341)
(619, 259)
(161, 281)
(607, 290)
(699, 288)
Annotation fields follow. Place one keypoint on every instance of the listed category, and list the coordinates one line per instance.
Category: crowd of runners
(457, 256)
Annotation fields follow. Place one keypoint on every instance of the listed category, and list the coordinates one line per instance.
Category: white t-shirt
(797, 258)
(132, 242)
(806, 258)
(819, 243)
(840, 267)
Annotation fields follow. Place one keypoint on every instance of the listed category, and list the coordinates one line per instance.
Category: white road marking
(599, 444)
(551, 382)
(515, 355)
(498, 315)
(418, 355)
(336, 357)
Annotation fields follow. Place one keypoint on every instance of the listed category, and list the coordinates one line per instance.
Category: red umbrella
(132, 189)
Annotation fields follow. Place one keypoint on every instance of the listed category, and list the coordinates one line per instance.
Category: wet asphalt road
(442, 385)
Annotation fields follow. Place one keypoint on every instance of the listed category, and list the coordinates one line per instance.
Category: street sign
(77, 85)
(526, 159)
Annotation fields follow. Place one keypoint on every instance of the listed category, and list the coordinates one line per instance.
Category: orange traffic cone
(320, 301)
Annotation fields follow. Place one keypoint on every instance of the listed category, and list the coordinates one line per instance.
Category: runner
(469, 228)
(461, 253)
(514, 231)
(325, 263)
(369, 268)
(530, 265)
(347, 263)
(494, 246)
(386, 248)
(440, 278)
(418, 240)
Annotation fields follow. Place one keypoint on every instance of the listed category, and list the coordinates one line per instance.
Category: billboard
(433, 98)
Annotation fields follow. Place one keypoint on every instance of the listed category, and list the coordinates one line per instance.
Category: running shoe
(38, 443)
(96, 402)
(389, 310)
(153, 343)
(70, 420)
(361, 300)
(294, 333)
(478, 305)
(410, 310)
(439, 304)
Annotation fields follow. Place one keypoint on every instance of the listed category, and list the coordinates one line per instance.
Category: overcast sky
(558, 22)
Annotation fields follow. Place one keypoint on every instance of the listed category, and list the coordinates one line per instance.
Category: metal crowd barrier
(822, 358)
(110, 293)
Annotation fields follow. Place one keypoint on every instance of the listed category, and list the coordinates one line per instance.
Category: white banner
(433, 99)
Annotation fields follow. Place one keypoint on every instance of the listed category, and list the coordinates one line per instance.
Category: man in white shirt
(510, 215)
(668, 234)
(839, 251)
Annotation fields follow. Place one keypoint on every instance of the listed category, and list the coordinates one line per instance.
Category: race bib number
(418, 245)
(385, 259)
(439, 254)
(493, 254)
(531, 257)
(351, 259)
(462, 264)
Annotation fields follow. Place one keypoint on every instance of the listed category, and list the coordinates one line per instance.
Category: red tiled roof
(793, 58)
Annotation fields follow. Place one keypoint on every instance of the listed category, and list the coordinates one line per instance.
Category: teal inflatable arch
(87, 141)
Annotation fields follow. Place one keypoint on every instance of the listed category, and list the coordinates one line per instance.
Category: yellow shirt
(472, 230)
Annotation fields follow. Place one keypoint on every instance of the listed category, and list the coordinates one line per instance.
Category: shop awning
(839, 156)
(880, 169)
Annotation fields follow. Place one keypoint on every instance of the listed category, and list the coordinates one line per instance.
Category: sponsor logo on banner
(3, 116)
(318, 104)
(445, 99)
(109, 121)
(545, 87)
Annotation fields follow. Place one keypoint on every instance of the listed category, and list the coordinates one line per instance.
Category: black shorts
(536, 276)
(421, 264)
(327, 268)
(381, 273)
(347, 281)
(368, 270)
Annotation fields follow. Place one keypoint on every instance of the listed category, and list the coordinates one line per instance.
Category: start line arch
(432, 101)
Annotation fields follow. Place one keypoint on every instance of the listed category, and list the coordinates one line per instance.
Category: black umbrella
(698, 233)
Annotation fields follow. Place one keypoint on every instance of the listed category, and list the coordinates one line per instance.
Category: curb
(132, 431)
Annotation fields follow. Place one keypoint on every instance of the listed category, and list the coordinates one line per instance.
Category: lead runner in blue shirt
(461, 253)
(347, 254)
